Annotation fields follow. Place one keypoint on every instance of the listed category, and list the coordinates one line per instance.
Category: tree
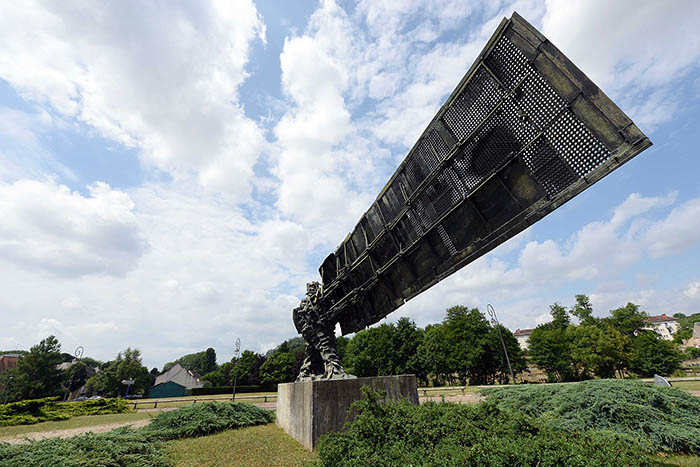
(36, 374)
(560, 317)
(209, 361)
(599, 351)
(549, 346)
(434, 354)
(127, 365)
(627, 319)
(685, 329)
(77, 375)
(367, 352)
(222, 376)
(249, 365)
(465, 332)
(387, 349)
(583, 310)
(472, 349)
(279, 368)
(654, 355)
(495, 350)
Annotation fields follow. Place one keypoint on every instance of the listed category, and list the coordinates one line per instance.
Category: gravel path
(39, 435)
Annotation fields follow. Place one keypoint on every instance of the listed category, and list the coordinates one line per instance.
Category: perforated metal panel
(523, 132)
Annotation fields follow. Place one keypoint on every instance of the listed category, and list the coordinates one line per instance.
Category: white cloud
(359, 86)
(47, 227)
(642, 49)
(595, 257)
(677, 232)
(161, 76)
(692, 290)
(208, 276)
(22, 153)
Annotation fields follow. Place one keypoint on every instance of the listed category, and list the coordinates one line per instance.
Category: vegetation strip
(136, 447)
(40, 410)
(662, 419)
(448, 434)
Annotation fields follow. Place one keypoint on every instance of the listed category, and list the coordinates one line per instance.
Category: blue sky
(171, 175)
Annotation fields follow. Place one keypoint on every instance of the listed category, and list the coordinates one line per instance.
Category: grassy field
(687, 385)
(75, 422)
(679, 461)
(258, 445)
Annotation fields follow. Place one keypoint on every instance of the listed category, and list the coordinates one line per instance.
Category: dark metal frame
(524, 132)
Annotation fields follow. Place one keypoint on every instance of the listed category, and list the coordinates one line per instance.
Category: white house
(665, 326)
(523, 335)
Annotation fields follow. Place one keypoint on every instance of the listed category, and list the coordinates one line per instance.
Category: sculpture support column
(307, 410)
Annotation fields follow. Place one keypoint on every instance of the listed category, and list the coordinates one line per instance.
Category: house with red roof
(663, 325)
(523, 335)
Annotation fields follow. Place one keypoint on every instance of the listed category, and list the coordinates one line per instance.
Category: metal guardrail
(155, 402)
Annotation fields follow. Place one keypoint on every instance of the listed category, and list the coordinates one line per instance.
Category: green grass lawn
(265, 445)
(687, 385)
(678, 461)
(75, 422)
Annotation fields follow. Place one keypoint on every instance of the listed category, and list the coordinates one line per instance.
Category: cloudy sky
(173, 173)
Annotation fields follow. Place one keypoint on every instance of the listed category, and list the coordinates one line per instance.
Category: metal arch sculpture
(523, 132)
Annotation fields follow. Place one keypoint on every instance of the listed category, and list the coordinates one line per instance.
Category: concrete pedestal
(308, 410)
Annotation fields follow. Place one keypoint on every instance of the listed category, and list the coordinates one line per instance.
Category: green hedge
(41, 410)
(130, 447)
(662, 418)
(229, 389)
(447, 434)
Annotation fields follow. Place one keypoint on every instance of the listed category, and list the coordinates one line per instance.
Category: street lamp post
(494, 320)
(236, 352)
(78, 355)
(128, 383)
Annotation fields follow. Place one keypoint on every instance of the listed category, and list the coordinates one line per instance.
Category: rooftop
(659, 318)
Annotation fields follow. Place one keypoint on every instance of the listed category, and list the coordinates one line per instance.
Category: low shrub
(445, 434)
(41, 410)
(135, 447)
(662, 419)
(205, 419)
(120, 447)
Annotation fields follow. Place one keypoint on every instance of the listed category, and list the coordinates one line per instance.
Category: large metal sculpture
(524, 132)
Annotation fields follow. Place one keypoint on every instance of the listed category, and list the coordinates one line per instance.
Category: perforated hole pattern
(507, 62)
(537, 100)
(576, 144)
(479, 97)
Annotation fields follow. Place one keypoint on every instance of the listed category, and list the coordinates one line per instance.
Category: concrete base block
(308, 410)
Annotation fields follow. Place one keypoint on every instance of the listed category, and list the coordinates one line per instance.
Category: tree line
(615, 345)
(464, 348)
(38, 374)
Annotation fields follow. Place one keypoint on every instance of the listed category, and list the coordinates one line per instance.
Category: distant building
(665, 326)
(175, 382)
(8, 361)
(523, 335)
(694, 340)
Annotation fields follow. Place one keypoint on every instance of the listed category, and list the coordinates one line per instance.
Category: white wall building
(523, 335)
(665, 326)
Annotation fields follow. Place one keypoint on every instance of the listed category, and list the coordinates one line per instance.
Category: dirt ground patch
(36, 436)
